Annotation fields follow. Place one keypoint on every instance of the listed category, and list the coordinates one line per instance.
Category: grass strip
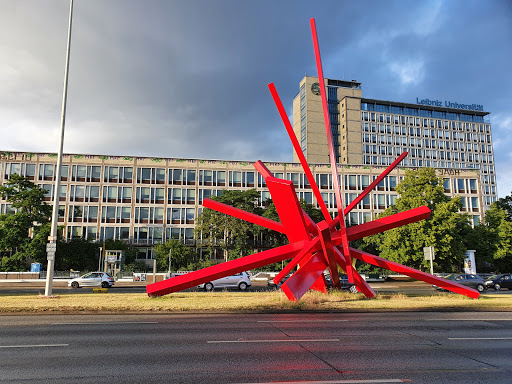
(274, 301)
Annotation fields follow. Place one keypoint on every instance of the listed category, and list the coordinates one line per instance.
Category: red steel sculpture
(313, 247)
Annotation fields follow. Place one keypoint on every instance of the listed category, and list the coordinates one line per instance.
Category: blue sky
(189, 78)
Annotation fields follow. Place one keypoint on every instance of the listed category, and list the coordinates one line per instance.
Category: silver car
(92, 279)
(239, 280)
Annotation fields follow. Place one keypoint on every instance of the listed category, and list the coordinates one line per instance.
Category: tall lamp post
(51, 247)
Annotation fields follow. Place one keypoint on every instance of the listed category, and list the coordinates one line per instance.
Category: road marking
(108, 323)
(338, 381)
(480, 338)
(468, 319)
(34, 346)
(298, 321)
(270, 341)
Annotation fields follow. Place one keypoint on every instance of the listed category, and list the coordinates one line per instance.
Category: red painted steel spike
(334, 167)
(388, 222)
(326, 241)
(265, 172)
(312, 247)
(359, 282)
(414, 273)
(307, 275)
(375, 182)
(300, 154)
(241, 214)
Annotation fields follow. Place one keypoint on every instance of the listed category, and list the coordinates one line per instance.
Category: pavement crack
(321, 359)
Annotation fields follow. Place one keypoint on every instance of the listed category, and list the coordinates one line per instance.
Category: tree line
(25, 229)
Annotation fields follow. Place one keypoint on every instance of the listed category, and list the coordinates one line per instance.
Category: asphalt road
(258, 348)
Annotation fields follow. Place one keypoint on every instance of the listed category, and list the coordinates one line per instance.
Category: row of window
(416, 161)
(140, 235)
(392, 135)
(395, 110)
(428, 153)
(92, 173)
(123, 214)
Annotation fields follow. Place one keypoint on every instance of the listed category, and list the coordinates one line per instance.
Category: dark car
(467, 279)
(499, 281)
(345, 285)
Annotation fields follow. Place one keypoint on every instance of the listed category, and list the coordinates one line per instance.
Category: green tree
(505, 203)
(445, 230)
(233, 236)
(77, 254)
(23, 234)
(181, 256)
(492, 241)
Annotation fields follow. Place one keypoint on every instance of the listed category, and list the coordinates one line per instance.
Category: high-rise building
(444, 135)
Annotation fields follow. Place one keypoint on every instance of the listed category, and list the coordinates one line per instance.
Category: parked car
(486, 276)
(467, 279)
(271, 284)
(499, 281)
(345, 284)
(240, 281)
(92, 279)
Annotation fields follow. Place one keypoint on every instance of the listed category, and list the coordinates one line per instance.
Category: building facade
(146, 200)
(375, 132)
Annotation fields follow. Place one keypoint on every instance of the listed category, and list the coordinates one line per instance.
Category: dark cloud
(189, 78)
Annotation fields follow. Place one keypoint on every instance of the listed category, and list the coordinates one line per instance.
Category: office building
(444, 135)
(149, 200)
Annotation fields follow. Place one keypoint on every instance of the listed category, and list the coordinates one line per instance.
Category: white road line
(271, 341)
(468, 319)
(34, 346)
(108, 323)
(298, 321)
(338, 381)
(480, 338)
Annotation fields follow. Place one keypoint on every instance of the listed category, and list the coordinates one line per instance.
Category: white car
(92, 279)
(240, 281)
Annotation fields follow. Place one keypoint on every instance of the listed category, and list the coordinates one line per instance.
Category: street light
(51, 247)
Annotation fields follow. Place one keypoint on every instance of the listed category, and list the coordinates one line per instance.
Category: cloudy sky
(189, 78)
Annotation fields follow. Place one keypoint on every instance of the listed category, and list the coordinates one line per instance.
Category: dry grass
(247, 302)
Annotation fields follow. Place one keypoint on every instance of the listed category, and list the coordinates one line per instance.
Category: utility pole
(51, 247)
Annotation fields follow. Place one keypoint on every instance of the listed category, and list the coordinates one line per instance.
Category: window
(21, 169)
(46, 172)
(182, 177)
(242, 179)
(49, 192)
(151, 175)
(148, 195)
(83, 173)
(181, 196)
(180, 215)
(208, 193)
(81, 213)
(324, 180)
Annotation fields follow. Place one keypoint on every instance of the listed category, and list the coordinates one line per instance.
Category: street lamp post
(51, 247)
(170, 253)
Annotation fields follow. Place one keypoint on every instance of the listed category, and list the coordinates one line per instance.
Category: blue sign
(450, 104)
